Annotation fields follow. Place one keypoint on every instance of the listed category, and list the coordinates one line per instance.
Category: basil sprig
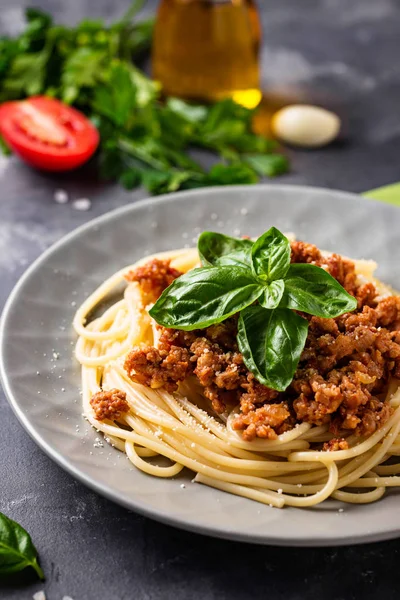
(218, 250)
(16, 548)
(235, 274)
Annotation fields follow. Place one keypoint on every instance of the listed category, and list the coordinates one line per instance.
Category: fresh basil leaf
(271, 342)
(217, 249)
(16, 548)
(312, 290)
(205, 296)
(270, 255)
(272, 294)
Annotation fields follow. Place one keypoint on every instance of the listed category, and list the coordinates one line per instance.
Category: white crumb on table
(82, 204)
(60, 196)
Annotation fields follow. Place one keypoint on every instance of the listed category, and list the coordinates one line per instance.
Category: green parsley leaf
(81, 69)
(148, 139)
(268, 165)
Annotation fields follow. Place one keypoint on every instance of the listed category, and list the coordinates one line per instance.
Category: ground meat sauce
(111, 404)
(154, 277)
(341, 378)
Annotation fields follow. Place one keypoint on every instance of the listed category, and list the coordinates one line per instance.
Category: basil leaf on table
(205, 296)
(312, 290)
(272, 294)
(217, 249)
(270, 255)
(16, 548)
(271, 342)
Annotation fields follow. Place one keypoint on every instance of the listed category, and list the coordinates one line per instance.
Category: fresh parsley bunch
(257, 280)
(144, 139)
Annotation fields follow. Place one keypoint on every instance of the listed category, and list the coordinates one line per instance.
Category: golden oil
(208, 50)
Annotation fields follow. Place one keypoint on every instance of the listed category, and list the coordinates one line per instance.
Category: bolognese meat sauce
(341, 377)
(109, 404)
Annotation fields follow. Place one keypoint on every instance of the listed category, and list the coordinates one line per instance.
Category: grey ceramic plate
(41, 378)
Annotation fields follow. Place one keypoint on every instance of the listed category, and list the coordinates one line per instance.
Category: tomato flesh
(47, 133)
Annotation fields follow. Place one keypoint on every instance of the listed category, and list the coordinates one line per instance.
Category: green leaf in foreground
(217, 249)
(16, 548)
(205, 296)
(312, 290)
(271, 342)
(270, 255)
(272, 294)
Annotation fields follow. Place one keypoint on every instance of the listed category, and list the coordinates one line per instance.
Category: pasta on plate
(324, 422)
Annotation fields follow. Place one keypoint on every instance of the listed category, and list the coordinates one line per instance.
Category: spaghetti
(290, 470)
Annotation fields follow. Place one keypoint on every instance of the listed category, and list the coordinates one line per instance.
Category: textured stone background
(341, 53)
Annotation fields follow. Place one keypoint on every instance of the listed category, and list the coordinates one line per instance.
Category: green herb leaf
(270, 255)
(271, 342)
(26, 75)
(192, 113)
(205, 296)
(217, 249)
(272, 294)
(115, 98)
(4, 149)
(312, 290)
(16, 548)
(268, 165)
(90, 66)
(222, 174)
(81, 69)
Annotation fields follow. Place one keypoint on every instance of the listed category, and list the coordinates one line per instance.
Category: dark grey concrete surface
(342, 53)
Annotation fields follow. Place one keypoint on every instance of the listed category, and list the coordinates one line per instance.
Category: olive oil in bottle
(208, 50)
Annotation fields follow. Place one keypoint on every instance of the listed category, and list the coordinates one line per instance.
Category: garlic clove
(305, 125)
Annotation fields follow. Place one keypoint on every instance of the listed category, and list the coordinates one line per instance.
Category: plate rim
(90, 482)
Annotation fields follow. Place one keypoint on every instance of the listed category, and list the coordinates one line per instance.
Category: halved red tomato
(47, 133)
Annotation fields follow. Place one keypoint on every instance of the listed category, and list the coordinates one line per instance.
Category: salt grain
(82, 204)
(243, 211)
(183, 486)
(60, 196)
